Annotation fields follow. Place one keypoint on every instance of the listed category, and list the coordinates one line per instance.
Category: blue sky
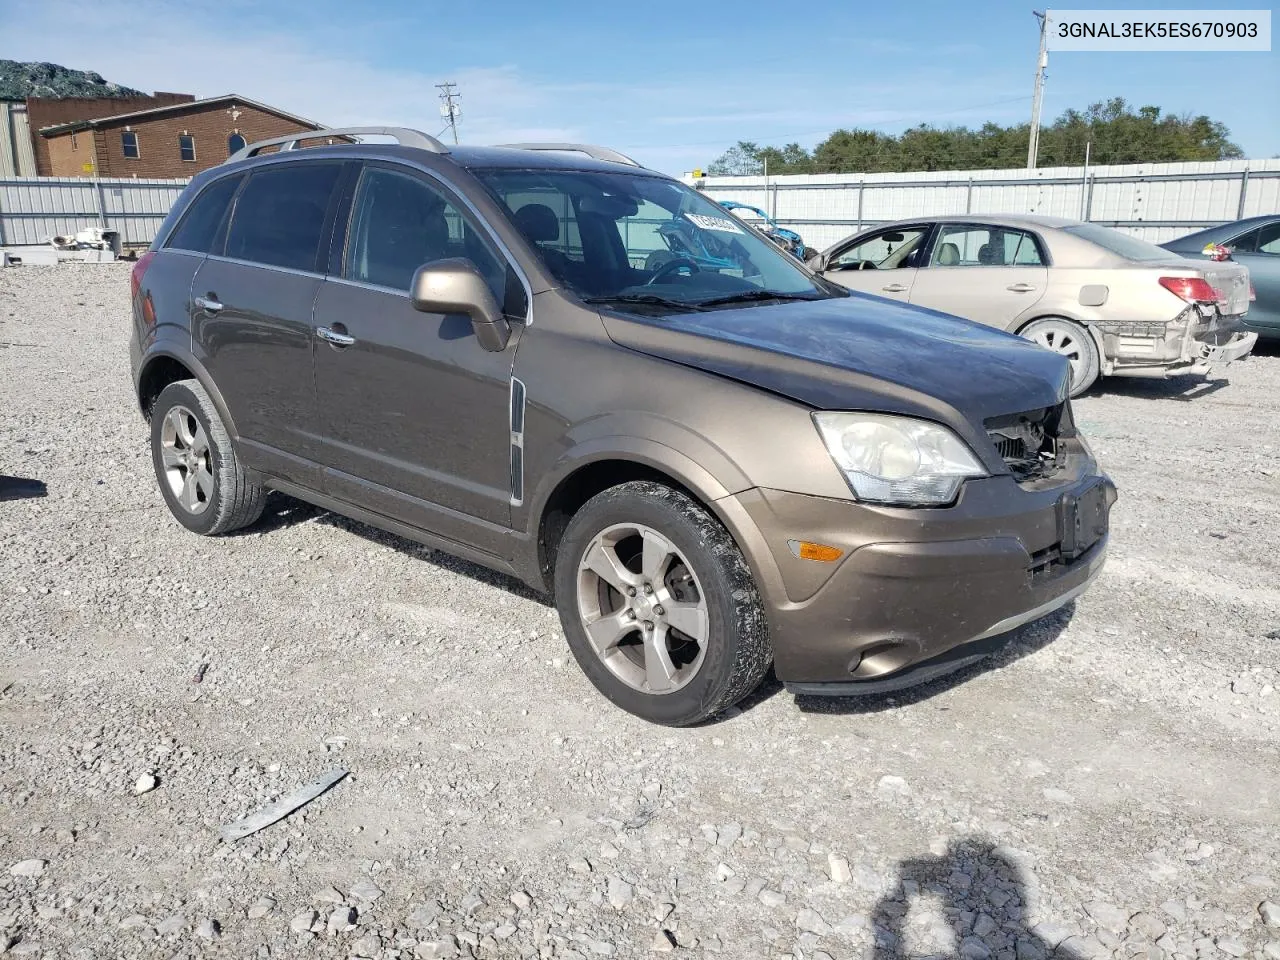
(672, 83)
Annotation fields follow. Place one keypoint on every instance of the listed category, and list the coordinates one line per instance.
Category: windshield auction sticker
(1130, 30)
(713, 223)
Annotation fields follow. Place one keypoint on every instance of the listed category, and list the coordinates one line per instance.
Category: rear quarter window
(1121, 244)
(201, 228)
(280, 215)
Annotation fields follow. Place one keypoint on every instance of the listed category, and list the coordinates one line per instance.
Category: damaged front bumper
(1196, 342)
(920, 593)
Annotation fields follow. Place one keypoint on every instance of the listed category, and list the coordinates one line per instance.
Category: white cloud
(208, 51)
(289, 54)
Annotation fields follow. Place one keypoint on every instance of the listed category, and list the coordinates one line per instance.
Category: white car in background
(1112, 304)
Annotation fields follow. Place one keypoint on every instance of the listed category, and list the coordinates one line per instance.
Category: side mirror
(817, 262)
(456, 286)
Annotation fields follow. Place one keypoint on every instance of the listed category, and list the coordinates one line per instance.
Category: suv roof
(551, 155)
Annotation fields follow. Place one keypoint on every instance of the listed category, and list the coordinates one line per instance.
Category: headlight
(898, 460)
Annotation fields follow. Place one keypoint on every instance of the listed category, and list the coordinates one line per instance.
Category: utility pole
(449, 109)
(1042, 61)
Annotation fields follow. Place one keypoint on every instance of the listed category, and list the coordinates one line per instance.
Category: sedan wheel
(1072, 341)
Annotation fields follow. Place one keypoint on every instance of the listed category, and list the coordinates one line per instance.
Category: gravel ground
(1108, 787)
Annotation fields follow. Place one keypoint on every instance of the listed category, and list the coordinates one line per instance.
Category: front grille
(1010, 448)
(1028, 442)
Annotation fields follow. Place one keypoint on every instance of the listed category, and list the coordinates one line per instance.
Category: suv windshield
(644, 243)
(1130, 248)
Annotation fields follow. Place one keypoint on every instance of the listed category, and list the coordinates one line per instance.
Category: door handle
(334, 337)
(1021, 287)
(208, 304)
(893, 287)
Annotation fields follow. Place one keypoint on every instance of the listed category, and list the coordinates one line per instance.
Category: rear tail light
(1253, 294)
(140, 268)
(1191, 289)
(135, 284)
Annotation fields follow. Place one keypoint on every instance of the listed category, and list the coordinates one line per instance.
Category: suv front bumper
(919, 592)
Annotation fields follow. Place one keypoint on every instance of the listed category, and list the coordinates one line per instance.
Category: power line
(449, 109)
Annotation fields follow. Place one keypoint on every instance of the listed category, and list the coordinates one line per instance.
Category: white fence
(34, 209)
(1154, 201)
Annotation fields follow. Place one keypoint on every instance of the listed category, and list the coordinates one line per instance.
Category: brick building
(175, 140)
(54, 111)
(24, 153)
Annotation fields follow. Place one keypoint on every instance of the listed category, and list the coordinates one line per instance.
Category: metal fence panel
(1156, 202)
(34, 209)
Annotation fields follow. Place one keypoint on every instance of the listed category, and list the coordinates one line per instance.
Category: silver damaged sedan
(1112, 304)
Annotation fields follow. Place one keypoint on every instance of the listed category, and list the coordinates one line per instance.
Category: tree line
(1116, 132)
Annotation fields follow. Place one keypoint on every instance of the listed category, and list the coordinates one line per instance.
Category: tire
(703, 580)
(1072, 341)
(189, 439)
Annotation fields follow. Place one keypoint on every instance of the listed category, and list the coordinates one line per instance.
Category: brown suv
(714, 464)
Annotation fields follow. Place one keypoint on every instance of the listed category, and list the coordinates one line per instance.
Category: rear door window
(1269, 240)
(202, 227)
(281, 214)
(965, 245)
(1245, 243)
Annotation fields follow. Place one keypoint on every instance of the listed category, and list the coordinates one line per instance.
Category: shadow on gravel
(1185, 389)
(283, 511)
(1269, 347)
(1026, 640)
(972, 902)
(280, 512)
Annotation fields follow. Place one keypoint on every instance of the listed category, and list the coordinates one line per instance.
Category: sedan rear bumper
(1194, 344)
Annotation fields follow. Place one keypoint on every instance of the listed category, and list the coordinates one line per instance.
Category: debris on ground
(282, 807)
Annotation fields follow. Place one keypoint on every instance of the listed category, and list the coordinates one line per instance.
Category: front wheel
(658, 605)
(1069, 339)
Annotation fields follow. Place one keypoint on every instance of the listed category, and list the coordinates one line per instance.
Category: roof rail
(403, 135)
(596, 153)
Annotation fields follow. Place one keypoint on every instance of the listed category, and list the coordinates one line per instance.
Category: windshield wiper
(645, 299)
(748, 296)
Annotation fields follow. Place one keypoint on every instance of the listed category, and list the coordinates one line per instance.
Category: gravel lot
(1109, 787)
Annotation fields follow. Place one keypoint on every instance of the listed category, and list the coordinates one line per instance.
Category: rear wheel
(203, 482)
(1069, 339)
(659, 606)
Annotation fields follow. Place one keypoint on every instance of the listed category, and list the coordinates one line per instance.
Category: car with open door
(1110, 303)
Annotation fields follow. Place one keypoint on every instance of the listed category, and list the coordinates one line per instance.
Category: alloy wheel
(187, 459)
(642, 608)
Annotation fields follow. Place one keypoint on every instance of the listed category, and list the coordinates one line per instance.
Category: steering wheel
(671, 266)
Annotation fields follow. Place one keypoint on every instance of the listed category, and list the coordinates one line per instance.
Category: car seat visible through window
(406, 228)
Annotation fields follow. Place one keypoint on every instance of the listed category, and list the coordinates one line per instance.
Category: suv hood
(858, 353)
